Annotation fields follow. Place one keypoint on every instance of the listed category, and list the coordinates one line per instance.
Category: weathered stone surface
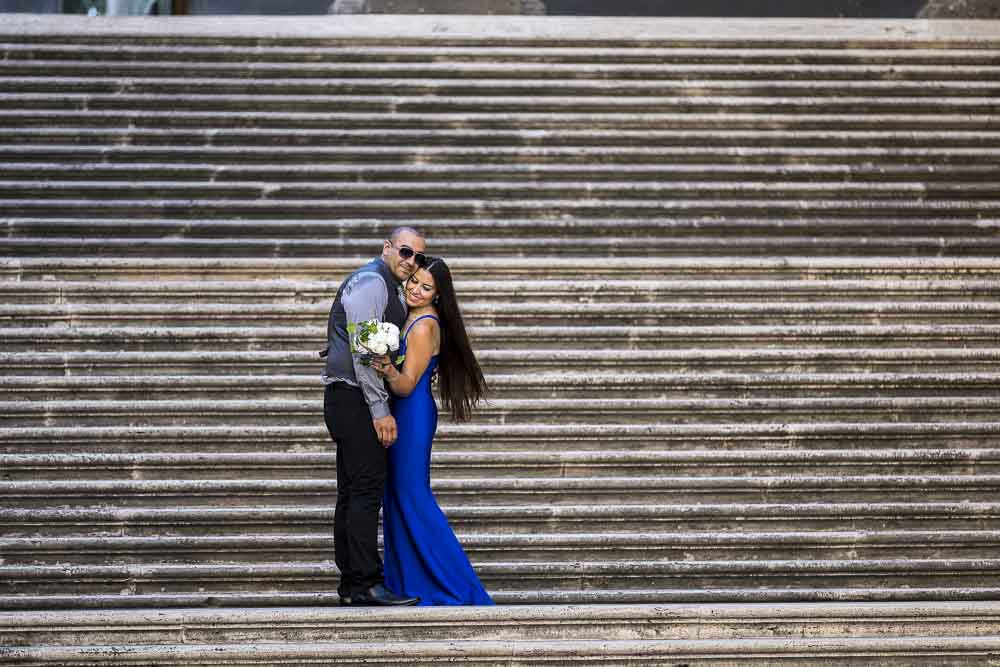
(734, 286)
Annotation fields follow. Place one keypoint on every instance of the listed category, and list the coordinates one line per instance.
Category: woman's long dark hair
(462, 384)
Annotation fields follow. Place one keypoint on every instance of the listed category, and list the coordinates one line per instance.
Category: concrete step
(461, 238)
(637, 622)
(417, 101)
(629, 519)
(532, 58)
(42, 62)
(301, 338)
(49, 371)
(403, 210)
(512, 174)
(533, 315)
(497, 548)
(956, 650)
(508, 489)
(709, 147)
(570, 389)
(165, 601)
(373, 86)
(152, 269)
(195, 410)
(972, 245)
(514, 437)
(51, 293)
(525, 465)
(526, 582)
(205, 135)
(441, 193)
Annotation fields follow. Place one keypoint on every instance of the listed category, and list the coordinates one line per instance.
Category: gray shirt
(365, 297)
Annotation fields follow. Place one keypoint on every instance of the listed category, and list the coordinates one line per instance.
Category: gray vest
(339, 361)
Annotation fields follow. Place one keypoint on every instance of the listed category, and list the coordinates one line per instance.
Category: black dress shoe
(380, 596)
(345, 601)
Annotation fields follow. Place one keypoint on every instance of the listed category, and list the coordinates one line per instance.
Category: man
(356, 410)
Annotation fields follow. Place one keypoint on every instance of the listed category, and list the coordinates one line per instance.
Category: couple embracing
(383, 418)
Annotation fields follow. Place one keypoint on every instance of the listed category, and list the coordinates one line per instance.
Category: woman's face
(420, 289)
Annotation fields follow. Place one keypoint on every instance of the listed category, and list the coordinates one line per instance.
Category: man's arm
(365, 298)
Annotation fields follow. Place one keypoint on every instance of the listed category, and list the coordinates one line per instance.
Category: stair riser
(914, 177)
(554, 90)
(234, 471)
(260, 68)
(483, 497)
(152, 270)
(293, 363)
(38, 415)
(543, 590)
(176, 50)
(850, 438)
(524, 320)
(481, 299)
(195, 632)
(500, 523)
(508, 554)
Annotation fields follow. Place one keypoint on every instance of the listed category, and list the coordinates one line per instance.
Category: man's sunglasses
(406, 252)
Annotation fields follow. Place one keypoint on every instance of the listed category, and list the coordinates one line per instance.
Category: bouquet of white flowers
(373, 338)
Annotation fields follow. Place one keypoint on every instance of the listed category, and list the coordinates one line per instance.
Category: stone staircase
(734, 284)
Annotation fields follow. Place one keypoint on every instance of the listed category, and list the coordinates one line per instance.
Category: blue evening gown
(423, 558)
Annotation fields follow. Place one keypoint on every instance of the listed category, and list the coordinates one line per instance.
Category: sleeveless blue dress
(422, 556)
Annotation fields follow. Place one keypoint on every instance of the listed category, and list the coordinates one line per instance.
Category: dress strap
(417, 320)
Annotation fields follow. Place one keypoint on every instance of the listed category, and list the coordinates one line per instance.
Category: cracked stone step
(309, 175)
(374, 87)
(299, 338)
(972, 245)
(502, 231)
(704, 102)
(41, 62)
(51, 370)
(208, 409)
(531, 317)
(179, 52)
(516, 437)
(904, 191)
(408, 209)
(720, 518)
(570, 387)
(97, 268)
(493, 490)
(167, 600)
(533, 582)
(668, 621)
(29, 292)
(638, 652)
(48, 550)
(664, 139)
(446, 465)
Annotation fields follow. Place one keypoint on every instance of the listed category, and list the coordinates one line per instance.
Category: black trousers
(361, 468)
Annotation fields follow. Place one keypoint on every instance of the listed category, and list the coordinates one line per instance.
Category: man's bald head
(408, 231)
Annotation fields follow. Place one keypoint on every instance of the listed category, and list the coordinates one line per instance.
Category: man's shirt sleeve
(365, 298)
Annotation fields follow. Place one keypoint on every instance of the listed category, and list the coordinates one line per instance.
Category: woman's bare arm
(420, 345)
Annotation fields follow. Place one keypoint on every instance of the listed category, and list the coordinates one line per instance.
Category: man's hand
(385, 429)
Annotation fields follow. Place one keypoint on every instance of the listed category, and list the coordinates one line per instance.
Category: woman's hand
(383, 366)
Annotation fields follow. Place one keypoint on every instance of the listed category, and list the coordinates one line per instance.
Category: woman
(423, 558)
